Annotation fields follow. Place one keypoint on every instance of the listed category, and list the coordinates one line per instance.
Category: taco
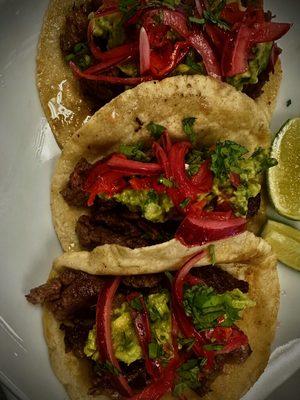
(91, 51)
(149, 332)
(162, 161)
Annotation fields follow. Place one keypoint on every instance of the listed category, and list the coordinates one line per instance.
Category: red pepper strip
(104, 337)
(147, 183)
(232, 14)
(156, 390)
(166, 59)
(269, 31)
(110, 183)
(231, 338)
(144, 48)
(110, 79)
(105, 65)
(142, 329)
(166, 141)
(201, 45)
(162, 158)
(131, 167)
(203, 179)
(236, 51)
(197, 231)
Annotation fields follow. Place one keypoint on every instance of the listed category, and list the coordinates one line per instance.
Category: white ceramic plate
(28, 243)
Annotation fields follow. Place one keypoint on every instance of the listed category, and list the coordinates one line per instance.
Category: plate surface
(27, 156)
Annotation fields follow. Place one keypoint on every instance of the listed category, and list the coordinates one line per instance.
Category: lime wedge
(285, 242)
(284, 179)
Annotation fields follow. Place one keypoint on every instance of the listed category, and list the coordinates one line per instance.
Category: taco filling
(113, 45)
(146, 335)
(149, 193)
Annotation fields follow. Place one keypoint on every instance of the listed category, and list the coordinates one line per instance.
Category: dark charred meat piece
(80, 293)
(75, 29)
(91, 235)
(99, 92)
(136, 374)
(239, 356)
(142, 281)
(48, 292)
(253, 205)
(75, 335)
(73, 193)
(221, 281)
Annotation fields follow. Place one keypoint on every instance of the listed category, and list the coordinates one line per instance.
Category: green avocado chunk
(257, 65)
(154, 206)
(109, 27)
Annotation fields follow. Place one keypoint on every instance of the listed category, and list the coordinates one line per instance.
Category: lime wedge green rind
(284, 179)
(285, 242)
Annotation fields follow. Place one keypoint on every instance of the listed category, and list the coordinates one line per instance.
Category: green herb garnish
(136, 304)
(185, 202)
(188, 343)
(211, 250)
(155, 130)
(134, 151)
(166, 182)
(188, 128)
(155, 350)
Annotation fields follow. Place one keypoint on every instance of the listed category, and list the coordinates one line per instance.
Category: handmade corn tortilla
(66, 108)
(221, 113)
(245, 257)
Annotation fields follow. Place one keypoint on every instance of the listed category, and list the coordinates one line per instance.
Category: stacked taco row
(163, 290)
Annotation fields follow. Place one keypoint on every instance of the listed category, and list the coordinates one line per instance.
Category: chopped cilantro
(166, 182)
(169, 276)
(185, 202)
(205, 306)
(200, 21)
(187, 343)
(189, 374)
(155, 350)
(289, 102)
(134, 151)
(136, 304)
(188, 128)
(128, 7)
(195, 66)
(213, 347)
(225, 159)
(79, 47)
(155, 130)
(211, 249)
(107, 366)
(194, 159)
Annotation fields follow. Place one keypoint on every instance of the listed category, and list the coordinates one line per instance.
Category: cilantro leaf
(136, 304)
(188, 128)
(194, 159)
(205, 306)
(155, 350)
(225, 159)
(187, 343)
(108, 367)
(185, 202)
(155, 130)
(166, 182)
(199, 21)
(134, 151)
(189, 374)
(211, 250)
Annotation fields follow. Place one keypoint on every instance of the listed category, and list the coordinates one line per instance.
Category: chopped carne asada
(75, 298)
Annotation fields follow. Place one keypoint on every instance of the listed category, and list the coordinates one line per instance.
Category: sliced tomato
(232, 13)
(269, 31)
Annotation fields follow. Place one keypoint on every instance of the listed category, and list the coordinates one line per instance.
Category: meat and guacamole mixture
(146, 335)
(148, 193)
(114, 45)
